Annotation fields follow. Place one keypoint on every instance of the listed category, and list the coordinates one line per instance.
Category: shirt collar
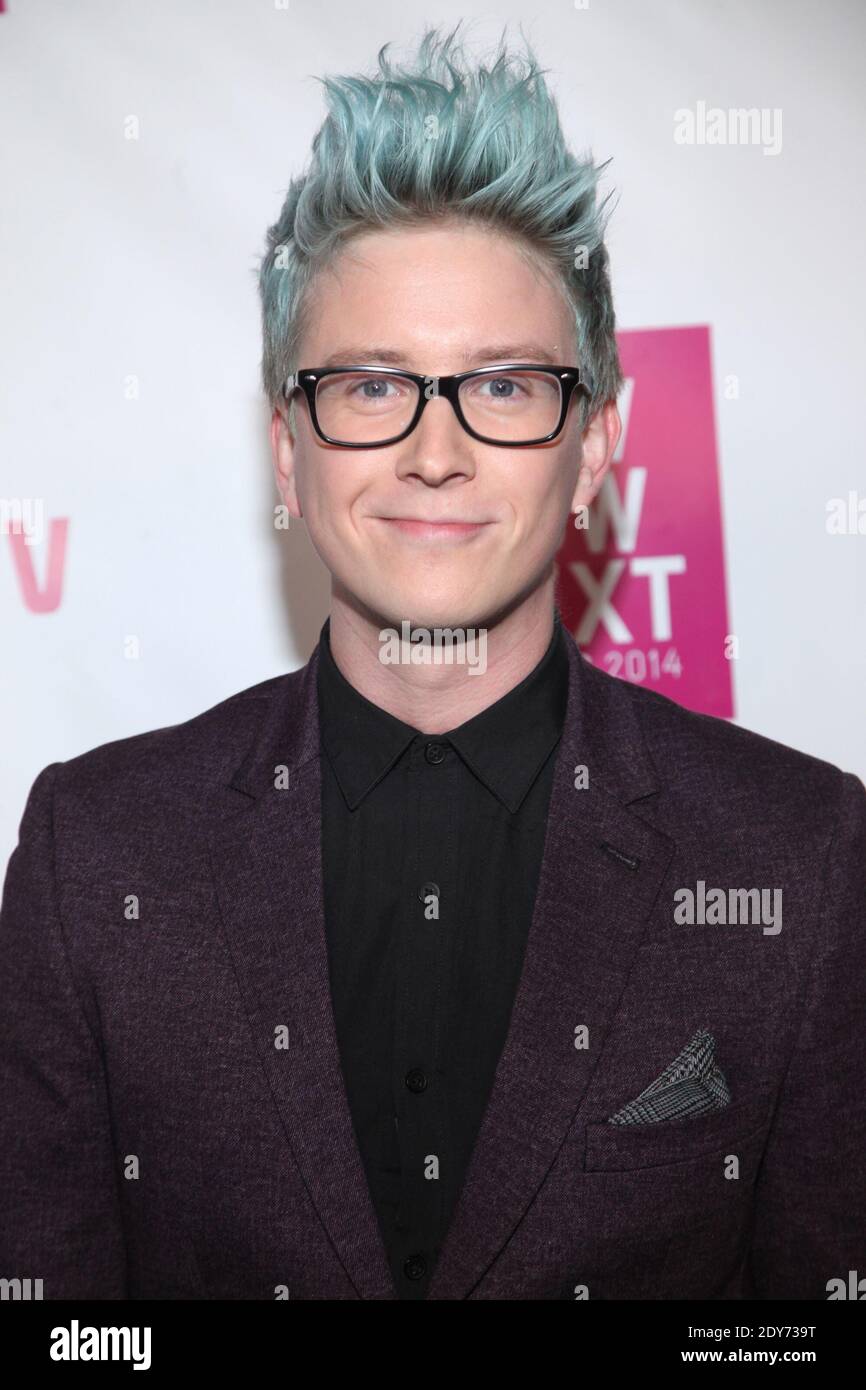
(505, 746)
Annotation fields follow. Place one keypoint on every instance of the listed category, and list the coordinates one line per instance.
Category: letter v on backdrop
(47, 596)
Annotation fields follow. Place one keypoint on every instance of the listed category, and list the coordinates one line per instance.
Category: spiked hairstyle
(442, 138)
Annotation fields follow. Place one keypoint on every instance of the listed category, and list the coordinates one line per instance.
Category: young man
(377, 980)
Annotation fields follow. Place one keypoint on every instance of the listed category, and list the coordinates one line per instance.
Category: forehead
(434, 292)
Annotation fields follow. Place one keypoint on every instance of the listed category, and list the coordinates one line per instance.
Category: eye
(501, 388)
(361, 391)
(512, 390)
(372, 388)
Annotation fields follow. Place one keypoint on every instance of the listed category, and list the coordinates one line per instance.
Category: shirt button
(416, 1081)
(415, 1267)
(428, 890)
(434, 753)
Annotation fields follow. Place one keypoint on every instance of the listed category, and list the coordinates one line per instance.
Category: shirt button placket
(420, 1129)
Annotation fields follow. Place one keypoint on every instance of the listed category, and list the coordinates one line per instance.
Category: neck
(432, 697)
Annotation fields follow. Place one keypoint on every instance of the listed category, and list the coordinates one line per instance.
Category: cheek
(326, 491)
(542, 491)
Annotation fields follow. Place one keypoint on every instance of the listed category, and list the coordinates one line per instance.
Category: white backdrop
(134, 260)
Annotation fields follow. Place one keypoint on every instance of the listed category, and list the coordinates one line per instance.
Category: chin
(419, 609)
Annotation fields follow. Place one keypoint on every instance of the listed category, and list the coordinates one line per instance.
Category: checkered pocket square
(691, 1085)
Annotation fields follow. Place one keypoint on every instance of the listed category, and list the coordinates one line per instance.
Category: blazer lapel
(266, 859)
(601, 871)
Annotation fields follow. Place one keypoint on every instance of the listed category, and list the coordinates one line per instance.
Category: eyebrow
(355, 354)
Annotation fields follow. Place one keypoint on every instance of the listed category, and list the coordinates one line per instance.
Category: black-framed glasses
(512, 405)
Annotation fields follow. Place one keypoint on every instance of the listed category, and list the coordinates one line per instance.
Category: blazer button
(427, 890)
(415, 1267)
(416, 1081)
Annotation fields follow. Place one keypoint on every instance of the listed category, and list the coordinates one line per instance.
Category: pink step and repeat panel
(642, 586)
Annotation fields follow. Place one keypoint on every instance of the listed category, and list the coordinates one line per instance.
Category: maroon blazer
(174, 1117)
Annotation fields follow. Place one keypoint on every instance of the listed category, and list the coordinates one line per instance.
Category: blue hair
(440, 138)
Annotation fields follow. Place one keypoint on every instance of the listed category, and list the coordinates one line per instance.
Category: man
(418, 972)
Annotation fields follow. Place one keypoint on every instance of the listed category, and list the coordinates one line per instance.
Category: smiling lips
(434, 530)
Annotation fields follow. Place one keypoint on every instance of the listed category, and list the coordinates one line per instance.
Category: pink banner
(641, 584)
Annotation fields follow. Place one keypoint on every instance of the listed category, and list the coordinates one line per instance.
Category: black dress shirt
(431, 851)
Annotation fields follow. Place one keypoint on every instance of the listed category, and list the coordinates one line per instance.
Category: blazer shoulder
(710, 760)
(177, 762)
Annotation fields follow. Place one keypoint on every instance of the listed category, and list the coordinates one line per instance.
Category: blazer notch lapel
(266, 864)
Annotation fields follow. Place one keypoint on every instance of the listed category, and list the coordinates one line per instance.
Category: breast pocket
(624, 1148)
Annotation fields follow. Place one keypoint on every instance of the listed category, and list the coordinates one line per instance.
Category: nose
(438, 448)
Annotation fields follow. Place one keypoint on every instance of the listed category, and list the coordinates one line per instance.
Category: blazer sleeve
(60, 1217)
(810, 1212)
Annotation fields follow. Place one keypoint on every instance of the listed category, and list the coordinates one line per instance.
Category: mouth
(417, 530)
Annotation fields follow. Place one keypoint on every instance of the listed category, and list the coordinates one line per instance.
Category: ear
(283, 455)
(598, 444)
